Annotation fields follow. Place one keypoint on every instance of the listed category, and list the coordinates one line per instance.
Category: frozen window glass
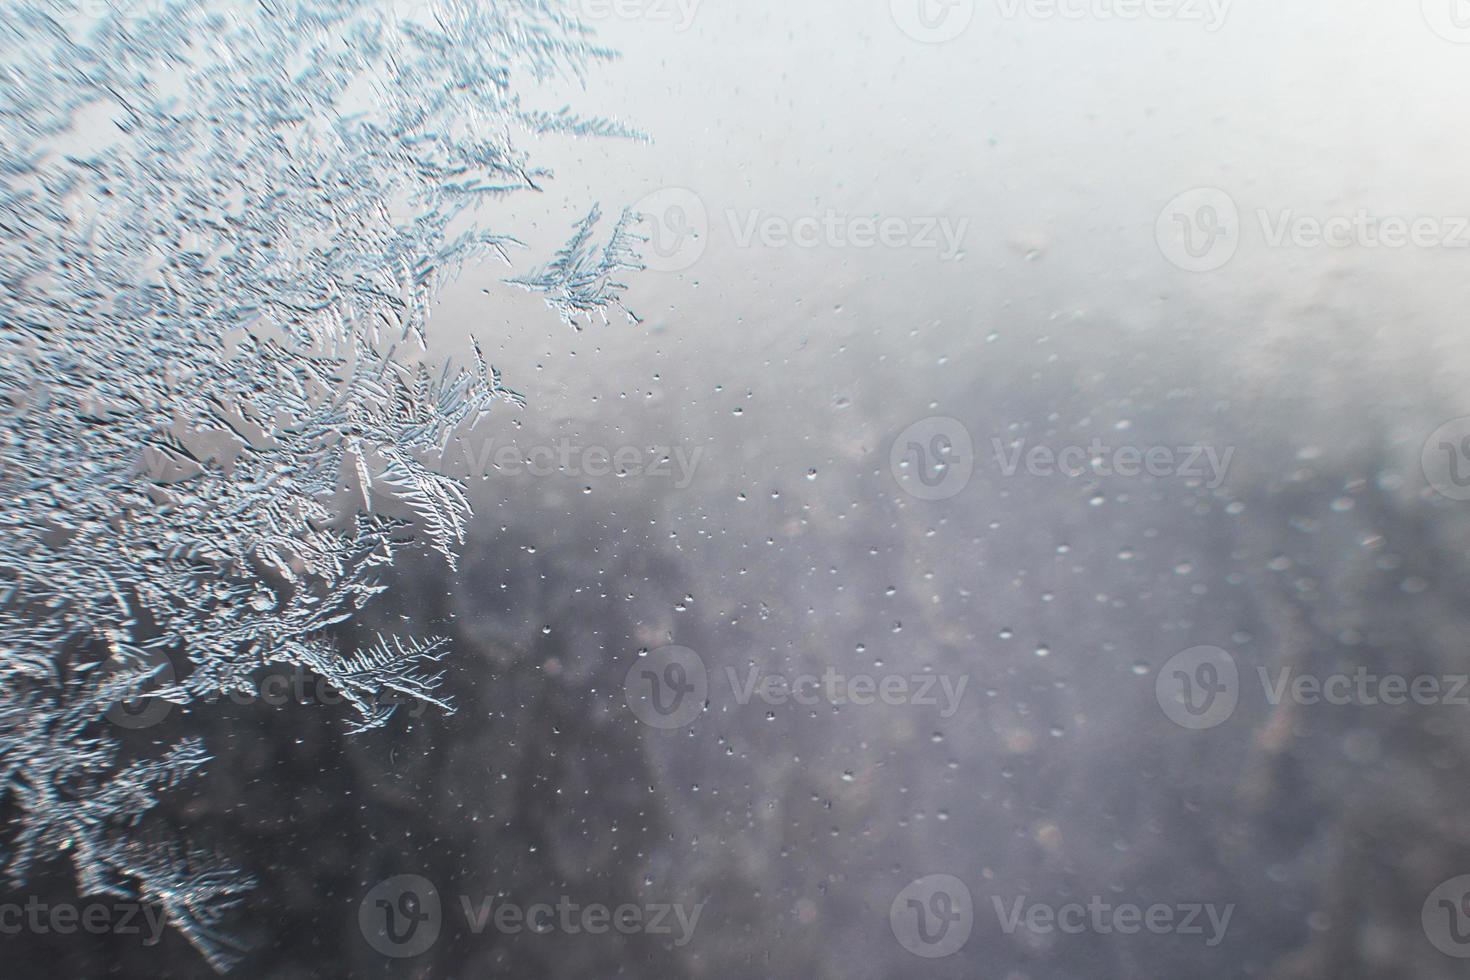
(695, 488)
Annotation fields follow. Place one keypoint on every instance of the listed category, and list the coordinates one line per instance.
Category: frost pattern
(579, 281)
(221, 228)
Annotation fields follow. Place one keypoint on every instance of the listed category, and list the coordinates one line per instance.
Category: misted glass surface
(878, 488)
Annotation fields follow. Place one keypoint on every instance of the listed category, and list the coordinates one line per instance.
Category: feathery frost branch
(212, 370)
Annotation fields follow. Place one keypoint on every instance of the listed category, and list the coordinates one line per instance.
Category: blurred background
(895, 250)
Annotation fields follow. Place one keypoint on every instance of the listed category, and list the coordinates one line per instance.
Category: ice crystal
(579, 281)
(221, 228)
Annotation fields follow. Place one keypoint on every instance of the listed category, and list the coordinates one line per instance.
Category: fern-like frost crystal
(222, 225)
